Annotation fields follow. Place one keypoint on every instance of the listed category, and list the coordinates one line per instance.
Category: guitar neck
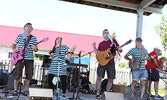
(126, 43)
(122, 45)
(30, 46)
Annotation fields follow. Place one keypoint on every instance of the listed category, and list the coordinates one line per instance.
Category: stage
(82, 96)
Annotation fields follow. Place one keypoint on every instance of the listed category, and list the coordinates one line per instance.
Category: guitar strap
(29, 38)
(141, 57)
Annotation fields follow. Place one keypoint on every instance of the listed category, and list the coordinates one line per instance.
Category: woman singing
(57, 55)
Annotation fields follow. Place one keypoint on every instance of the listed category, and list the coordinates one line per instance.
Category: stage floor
(82, 96)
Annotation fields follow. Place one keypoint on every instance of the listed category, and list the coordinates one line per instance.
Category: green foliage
(161, 29)
(124, 83)
(122, 64)
(38, 57)
(114, 35)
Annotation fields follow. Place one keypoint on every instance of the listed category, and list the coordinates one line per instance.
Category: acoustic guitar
(103, 57)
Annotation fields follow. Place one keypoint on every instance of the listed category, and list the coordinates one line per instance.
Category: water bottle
(58, 94)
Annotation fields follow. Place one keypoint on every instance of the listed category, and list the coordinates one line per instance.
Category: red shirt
(104, 45)
(148, 65)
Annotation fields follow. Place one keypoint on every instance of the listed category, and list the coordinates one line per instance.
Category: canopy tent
(140, 7)
(83, 42)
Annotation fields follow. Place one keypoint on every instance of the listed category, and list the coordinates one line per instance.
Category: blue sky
(81, 19)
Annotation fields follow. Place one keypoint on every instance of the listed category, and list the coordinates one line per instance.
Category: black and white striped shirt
(20, 41)
(59, 63)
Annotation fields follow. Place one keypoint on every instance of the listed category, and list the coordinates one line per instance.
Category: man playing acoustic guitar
(28, 59)
(110, 67)
(139, 53)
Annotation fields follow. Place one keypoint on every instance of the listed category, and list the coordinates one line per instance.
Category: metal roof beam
(127, 5)
(146, 3)
(115, 3)
(153, 10)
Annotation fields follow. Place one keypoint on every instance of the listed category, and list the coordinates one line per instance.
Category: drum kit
(82, 76)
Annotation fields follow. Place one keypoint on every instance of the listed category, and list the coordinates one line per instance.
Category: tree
(122, 64)
(161, 29)
(114, 35)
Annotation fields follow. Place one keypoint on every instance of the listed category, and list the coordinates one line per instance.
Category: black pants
(63, 82)
(154, 75)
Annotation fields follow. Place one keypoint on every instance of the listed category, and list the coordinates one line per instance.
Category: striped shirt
(55, 61)
(137, 53)
(20, 41)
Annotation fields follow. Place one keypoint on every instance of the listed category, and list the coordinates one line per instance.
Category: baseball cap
(138, 39)
(157, 47)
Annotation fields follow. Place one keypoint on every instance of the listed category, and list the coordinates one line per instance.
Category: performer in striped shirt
(28, 61)
(58, 55)
(138, 52)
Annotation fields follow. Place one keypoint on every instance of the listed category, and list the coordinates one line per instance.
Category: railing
(123, 76)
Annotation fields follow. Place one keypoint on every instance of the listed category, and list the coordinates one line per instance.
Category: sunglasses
(105, 32)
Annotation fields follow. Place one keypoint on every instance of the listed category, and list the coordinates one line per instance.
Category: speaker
(10, 84)
(4, 79)
(112, 96)
(118, 88)
(40, 93)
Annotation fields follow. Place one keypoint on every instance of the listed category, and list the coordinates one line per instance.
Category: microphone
(110, 37)
(25, 33)
(61, 38)
(158, 54)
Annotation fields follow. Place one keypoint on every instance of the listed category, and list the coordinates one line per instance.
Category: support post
(139, 22)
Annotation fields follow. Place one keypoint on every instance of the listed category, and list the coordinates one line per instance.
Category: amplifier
(118, 88)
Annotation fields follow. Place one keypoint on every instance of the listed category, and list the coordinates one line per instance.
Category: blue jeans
(140, 74)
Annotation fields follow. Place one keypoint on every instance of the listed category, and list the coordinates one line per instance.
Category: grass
(161, 92)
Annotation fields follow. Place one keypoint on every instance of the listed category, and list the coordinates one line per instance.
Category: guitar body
(16, 56)
(103, 57)
(135, 65)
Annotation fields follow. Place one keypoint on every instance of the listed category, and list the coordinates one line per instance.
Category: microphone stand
(89, 58)
(87, 53)
(58, 90)
(76, 77)
(20, 83)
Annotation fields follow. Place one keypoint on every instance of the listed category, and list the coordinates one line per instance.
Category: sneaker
(14, 93)
(25, 93)
(64, 95)
(97, 96)
(150, 96)
(157, 97)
